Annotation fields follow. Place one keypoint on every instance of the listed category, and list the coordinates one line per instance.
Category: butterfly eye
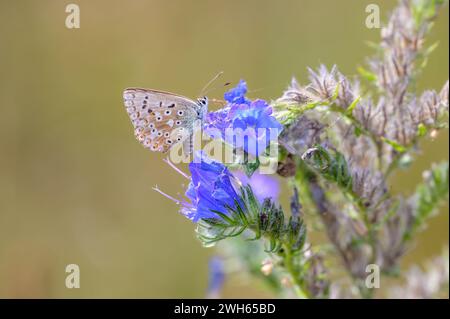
(151, 125)
(166, 134)
(169, 141)
(180, 112)
(178, 122)
(159, 118)
(160, 134)
(168, 112)
(154, 130)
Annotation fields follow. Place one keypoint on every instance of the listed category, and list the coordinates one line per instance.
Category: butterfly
(161, 119)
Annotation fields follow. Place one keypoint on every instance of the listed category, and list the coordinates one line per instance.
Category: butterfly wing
(160, 119)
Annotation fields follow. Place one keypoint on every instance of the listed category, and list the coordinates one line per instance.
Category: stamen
(166, 195)
(176, 168)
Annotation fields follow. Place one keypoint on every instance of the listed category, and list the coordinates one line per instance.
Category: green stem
(302, 182)
(290, 266)
(294, 272)
(374, 139)
(394, 163)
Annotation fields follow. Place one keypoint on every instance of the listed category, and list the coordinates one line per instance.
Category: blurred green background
(75, 185)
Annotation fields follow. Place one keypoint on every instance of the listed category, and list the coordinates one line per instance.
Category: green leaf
(330, 164)
(352, 106)
(251, 167)
(421, 130)
(390, 213)
(369, 76)
(398, 147)
(429, 195)
(335, 93)
(431, 48)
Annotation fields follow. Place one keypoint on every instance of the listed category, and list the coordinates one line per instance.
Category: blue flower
(253, 119)
(258, 127)
(218, 121)
(216, 277)
(211, 189)
(237, 94)
(263, 186)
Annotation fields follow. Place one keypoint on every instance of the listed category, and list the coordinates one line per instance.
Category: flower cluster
(225, 203)
(246, 124)
(214, 190)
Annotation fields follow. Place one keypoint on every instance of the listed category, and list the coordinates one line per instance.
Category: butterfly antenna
(221, 102)
(205, 90)
(255, 90)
